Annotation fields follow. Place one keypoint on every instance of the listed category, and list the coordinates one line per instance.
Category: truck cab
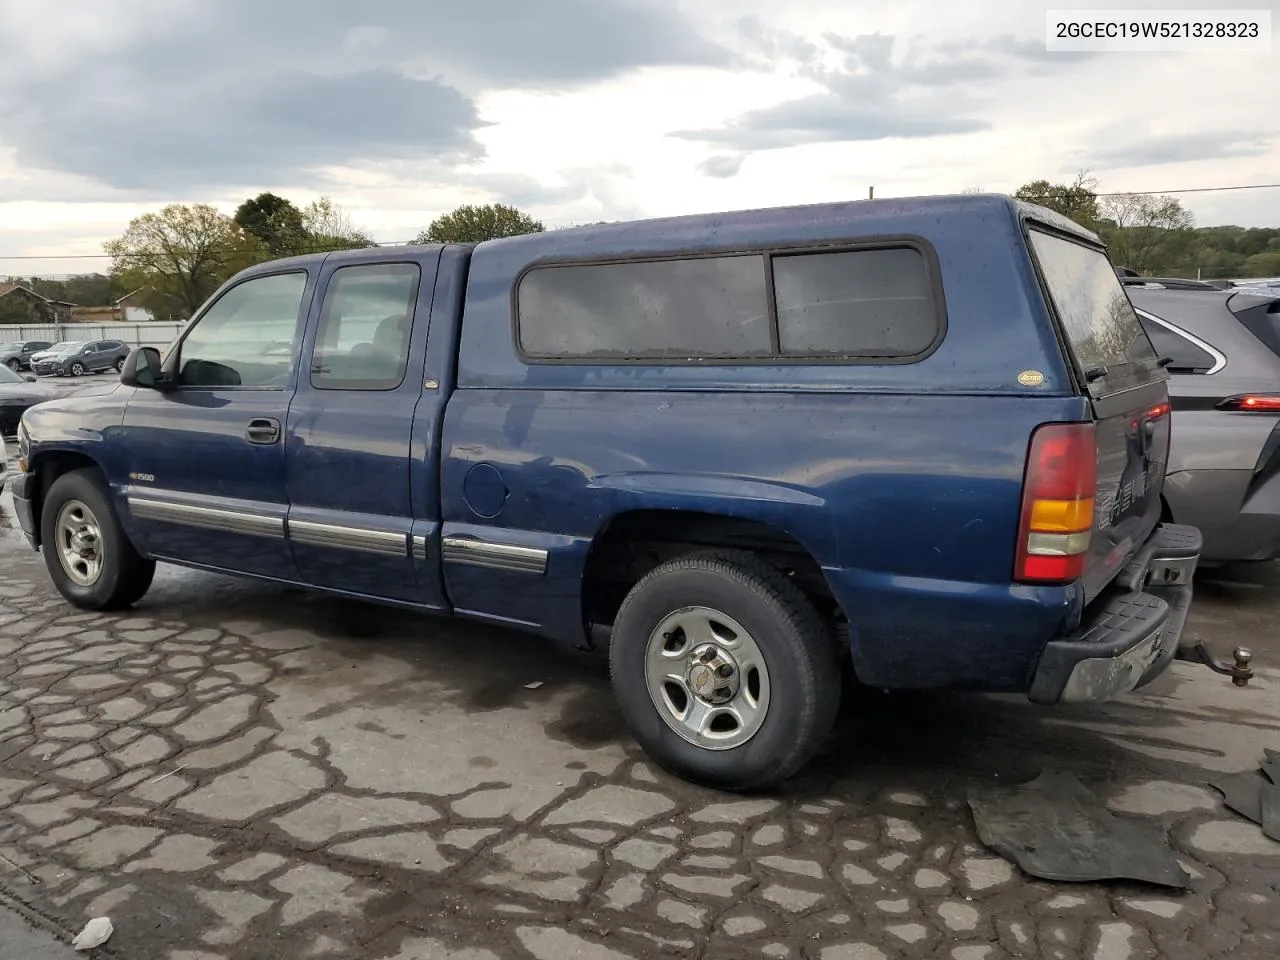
(911, 443)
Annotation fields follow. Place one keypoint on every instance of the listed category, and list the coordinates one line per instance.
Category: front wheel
(120, 365)
(14, 364)
(77, 369)
(724, 672)
(89, 558)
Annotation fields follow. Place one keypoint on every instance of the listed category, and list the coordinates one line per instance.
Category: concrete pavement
(21, 939)
(236, 771)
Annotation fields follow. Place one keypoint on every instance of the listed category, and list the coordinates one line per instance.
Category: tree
(1263, 264)
(473, 224)
(1076, 201)
(1142, 229)
(326, 226)
(181, 254)
(275, 221)
(89, 290)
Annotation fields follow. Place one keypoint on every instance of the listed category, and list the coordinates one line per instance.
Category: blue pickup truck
(775, 455)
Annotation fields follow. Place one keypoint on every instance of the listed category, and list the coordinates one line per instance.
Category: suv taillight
(1057, 504)
(1252, 403)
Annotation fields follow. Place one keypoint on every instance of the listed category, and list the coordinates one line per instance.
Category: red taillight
(1057, 504)
(1255, 402)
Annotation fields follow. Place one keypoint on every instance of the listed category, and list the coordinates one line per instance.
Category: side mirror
(142, 369)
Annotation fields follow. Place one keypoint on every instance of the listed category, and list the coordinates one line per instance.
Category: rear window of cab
(872, 304)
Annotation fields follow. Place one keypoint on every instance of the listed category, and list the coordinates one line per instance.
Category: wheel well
(47, 468)
(632, 544)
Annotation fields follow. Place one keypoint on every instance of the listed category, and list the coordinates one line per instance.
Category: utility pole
(871, 193)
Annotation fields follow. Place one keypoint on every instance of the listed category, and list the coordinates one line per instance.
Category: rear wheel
(89, 558)
(724, 671)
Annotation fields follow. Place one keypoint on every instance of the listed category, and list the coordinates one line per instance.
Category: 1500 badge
(143, 477)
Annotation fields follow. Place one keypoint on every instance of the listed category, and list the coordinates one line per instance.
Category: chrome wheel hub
(79, 543)
(713, 674)
(707, 678)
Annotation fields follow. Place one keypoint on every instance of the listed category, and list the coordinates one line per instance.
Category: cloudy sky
(582, 110)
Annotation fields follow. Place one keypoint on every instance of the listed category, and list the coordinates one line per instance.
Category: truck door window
(363, 339)
(247, 338)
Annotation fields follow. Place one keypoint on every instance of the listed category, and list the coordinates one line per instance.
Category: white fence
(154, 334)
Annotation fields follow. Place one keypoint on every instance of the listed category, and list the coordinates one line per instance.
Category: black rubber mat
(1271, 766)
(1271, 811)
(1242, 792)
(1055, 828)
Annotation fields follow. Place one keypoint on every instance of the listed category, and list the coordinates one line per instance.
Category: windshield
(8, 376)
(59, 347)
(67, 348)
(7, 347)
(1096, 315)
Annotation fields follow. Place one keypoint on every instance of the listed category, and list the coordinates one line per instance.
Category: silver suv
(1222, 349)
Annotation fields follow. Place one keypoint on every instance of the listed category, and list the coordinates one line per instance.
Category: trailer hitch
(1240, 670)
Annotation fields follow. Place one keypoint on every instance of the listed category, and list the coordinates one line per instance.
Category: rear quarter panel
(902, 481)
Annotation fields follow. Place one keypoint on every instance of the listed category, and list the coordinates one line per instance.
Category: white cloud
(585, 126)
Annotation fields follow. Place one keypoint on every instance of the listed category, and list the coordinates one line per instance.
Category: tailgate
(1128, 393)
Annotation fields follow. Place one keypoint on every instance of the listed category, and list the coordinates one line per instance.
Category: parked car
(51, 351)
(18, 393)
(16, 354)
(1224, 463)
(1167, 283)
(40, 356)
(78, 359)
(921, 439)
(4, 464)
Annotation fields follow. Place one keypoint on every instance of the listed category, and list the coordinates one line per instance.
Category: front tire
(77, 369)
(89, 558)
(724, 672)
(119, 365)
(14, 364)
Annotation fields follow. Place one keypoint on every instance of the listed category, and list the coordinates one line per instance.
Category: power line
(1156, 193)
(1161, 193)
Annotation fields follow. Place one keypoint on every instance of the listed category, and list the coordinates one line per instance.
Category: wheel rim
(76, 369)
(79, 543)
(707, 678)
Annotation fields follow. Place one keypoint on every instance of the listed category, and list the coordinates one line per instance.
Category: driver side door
(205, 457)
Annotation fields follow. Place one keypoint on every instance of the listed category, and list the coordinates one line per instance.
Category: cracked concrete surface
(235, 771)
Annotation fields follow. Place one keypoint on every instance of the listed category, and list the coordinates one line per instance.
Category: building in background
(21, 304)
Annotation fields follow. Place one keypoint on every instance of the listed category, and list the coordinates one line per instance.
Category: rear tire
(771, 681)
(89, 558)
